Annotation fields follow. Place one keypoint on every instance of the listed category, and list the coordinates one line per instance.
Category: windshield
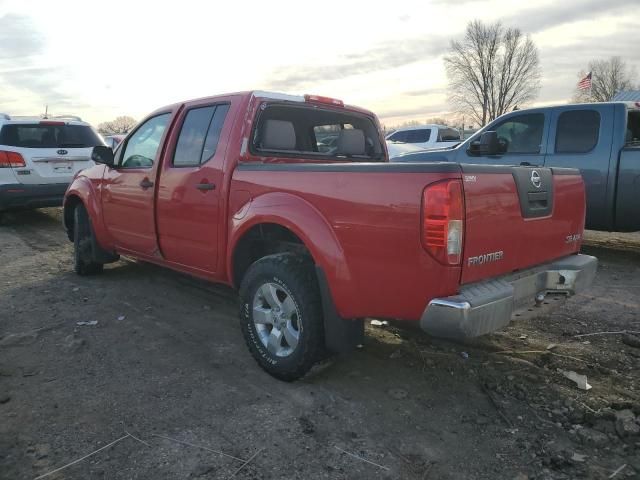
(49, 136)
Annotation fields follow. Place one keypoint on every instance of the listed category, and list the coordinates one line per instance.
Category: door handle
(146, 183)
(203, 187)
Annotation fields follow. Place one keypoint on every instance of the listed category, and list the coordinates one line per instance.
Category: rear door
(581, 138)
(53, 151)
(518, 217)
(191, 184)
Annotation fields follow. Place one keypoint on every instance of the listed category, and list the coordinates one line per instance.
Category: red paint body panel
(375, 262)
(362, 228)
(494, 223)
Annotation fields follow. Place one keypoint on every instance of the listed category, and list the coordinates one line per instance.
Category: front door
(522, 137)
(129, 188)
(191, 186)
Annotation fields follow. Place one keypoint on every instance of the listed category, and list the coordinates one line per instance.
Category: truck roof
(274, 96)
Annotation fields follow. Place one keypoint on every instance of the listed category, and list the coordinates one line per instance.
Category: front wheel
(281, 315)
(83, 257)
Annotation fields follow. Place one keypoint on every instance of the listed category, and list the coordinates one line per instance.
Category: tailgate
(518, 217)
(54, 165)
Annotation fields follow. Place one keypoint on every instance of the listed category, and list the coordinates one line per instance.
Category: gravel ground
(165, 374)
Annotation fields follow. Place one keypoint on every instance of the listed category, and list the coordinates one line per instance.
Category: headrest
(351, 142)
(278, 135)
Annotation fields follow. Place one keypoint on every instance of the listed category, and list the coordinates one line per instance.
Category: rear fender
(308, 224)
(83, 190)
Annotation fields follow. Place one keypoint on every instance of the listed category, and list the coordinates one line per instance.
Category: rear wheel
(83, 257)
(281, 315)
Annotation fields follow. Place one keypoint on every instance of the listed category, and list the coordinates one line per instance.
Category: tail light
(11, 159)
(443, 221)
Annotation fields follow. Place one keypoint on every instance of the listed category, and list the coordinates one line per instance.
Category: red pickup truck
(241, 189)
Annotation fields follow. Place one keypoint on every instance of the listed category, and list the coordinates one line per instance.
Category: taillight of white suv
(11, 159)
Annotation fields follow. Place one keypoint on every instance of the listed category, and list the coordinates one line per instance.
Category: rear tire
(281, 315)
(83, 257)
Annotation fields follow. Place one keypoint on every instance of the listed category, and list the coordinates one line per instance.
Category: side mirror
(102, 154)
(489, 144)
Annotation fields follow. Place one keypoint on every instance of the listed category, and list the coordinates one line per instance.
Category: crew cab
(38, 158)
(600, 139)
(234, 189)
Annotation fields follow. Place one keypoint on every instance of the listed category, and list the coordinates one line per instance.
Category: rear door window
(632, 135)
(199, 135)
(577, 131)
(49, 136)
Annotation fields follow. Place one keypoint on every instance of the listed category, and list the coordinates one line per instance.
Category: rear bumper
(20, 195)
(487, 306)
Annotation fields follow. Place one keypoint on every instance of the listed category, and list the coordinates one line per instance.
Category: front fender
(308, 224)
(83, 189)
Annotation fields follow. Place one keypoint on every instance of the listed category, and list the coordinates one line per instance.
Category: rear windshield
(302, 131)
(49, 136)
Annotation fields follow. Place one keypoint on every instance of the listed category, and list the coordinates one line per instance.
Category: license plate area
(62, 167)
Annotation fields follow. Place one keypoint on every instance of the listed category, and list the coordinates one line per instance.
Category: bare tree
(608, 77)
(492, 70)
(119, 125)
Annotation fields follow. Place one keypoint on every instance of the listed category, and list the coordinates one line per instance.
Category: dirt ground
(165, 374)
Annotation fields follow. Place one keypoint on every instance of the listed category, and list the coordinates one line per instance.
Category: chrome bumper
(488, 306)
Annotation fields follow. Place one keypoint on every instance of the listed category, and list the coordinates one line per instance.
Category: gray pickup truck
(600, 139)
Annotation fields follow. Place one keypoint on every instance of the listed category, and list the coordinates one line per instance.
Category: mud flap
(341, 335)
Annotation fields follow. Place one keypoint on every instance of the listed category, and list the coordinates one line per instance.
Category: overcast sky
(130, 57)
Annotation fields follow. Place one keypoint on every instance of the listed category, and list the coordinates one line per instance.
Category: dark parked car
(601, 139)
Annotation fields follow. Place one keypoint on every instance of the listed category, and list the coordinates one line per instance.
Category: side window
(632, 135)
(399, 137)
(578, 131)
(448, 135)
(213, 135)
(522, 133)
(418, 136)
(142, 147)
(199, 135)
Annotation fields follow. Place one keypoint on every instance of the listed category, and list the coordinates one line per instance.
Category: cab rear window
(49, 136)
(312, 132)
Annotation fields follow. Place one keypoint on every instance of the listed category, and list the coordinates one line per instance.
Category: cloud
(426, 92)
(383, 56)
(532, 20)
(18, 37)
(563, 64)
(24, 81)
(425, 110)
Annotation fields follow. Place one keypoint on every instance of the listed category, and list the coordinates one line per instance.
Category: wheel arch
(82, 191)
(303, 223)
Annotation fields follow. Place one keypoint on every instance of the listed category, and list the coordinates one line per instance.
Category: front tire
(281, 315)
(83, 258)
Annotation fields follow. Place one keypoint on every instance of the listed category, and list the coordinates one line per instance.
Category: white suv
(39, 157)
(421, 137)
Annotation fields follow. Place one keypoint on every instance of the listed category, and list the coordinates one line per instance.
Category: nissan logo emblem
(536, 181)
(62, 152)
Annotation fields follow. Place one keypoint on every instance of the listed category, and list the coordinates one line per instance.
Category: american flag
(585, 83)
